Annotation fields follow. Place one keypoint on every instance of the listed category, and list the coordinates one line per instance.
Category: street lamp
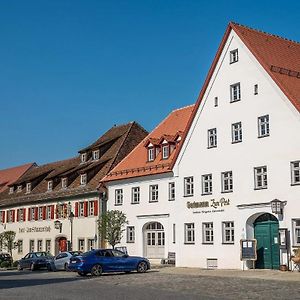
(71, 218)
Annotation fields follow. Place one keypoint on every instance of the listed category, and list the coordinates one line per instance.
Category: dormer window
(83, 157)
(28, 187)
(165, 151)
(151, 154)
(83, 179)
(64, 183)
(11, 190)
(50, 185)
(96, 154)
(19, 188)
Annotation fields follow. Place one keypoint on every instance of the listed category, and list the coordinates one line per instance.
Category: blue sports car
(101, 261)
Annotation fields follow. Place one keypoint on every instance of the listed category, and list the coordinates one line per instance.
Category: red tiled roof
(135, 164)
(280, 58)
(9, 176)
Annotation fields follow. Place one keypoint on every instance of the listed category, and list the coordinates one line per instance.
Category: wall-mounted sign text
(35, 229)
(216, 205)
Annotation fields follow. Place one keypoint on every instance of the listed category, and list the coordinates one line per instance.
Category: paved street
(157, 284)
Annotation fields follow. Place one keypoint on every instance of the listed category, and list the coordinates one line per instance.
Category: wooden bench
(170, 260)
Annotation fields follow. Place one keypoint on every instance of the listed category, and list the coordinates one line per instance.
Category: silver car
(61, 260)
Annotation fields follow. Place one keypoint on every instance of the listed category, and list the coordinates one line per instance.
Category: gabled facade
(55, 207)
(237, 167)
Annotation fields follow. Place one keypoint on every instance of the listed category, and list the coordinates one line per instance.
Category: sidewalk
(254, 274)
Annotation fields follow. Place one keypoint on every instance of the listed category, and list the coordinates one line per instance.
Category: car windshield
(40, 254)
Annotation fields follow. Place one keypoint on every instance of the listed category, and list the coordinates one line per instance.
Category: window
(153, 193)
(31, 245)
(48, 212)
(260, 176)
(40, 216)
(189, 233)
(208, 233)
(96, 154)
(234, 56)
(228, 232)
(212, 138)
(263, 126)
(130, 234)
(135, 195)
(2, 216)
(50, 185)
(83, 179)
(20, 246)
(206, 184)
(81, 245)
(188, 186)
(174, 233)
(227, 182)
(11, 190)
(39, 245)
(81, 209)
(10, 216)
(83, 157)
(28, 187)
(165, 151)
(151, 155)
(296, 232)
(171, 191)
(61, 210)
(21, 216)
(235, 92)
(236, 130)
(32, 213)
(295, 169)
(255, 89)
(91, 208)
(119, 197)
(64, 183)
(91, 244)
(216, 101)
(48, 246)
(19, 188)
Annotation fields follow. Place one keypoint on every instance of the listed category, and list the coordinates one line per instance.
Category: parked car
(101, 261)
(5, 257)
(34, 260)
(62, 260)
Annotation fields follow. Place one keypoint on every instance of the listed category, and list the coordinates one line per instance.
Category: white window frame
(189, 233)
(40, 212)
(21, 215)
(81, 244)
(234, 56)
(135, 195)
(130, 234)
(296, 232)
(39, 245)
(206, 184)
(188, 186)
(10, 216)
(96, 154)
(228, 232)
(118, 196)
(83, 179)
(48, 245)
(260, 178)
(172, 191)
(19, 188)
(263, 126)
(212, 138)
(48, 212)
(64, 182)
(227, 182)
(31, 245)
(81, 209)
(50, 185)
(28, 187)
(91, 208)
(236, 132)
(208, 232)
(32, 213)
(165, 151)
(83, 157)
(151, 154)
(295, 172)
(91, 244)
(235, 92)
(153, 193)
(20, 246)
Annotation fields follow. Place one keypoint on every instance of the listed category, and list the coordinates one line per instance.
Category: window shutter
(36, 213)
(13, 215)
(44, 212)
(7, 214)
(76, 209)
(52, 212)
(18, 210)
(85, 208)
(56, 212)
(3, 217)
(24, 214)
(29, 216)
(96, 208)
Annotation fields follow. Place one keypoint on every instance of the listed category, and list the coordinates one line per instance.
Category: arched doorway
(154, 240)
(266, 233)
(60, 244)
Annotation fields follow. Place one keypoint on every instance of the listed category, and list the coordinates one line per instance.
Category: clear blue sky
(69, 70)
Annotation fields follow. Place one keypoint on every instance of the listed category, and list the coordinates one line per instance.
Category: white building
(236, 172)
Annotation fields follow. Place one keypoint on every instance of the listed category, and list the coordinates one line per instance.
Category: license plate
(73, 261)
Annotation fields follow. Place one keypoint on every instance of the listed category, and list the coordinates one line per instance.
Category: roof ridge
(264, 32)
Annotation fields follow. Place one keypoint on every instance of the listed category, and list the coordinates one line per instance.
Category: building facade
(235, 175)
(55, 207)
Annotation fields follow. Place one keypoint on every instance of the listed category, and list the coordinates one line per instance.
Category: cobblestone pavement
(166, 283)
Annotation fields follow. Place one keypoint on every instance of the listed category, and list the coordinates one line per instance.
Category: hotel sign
(213, 204)
(35, 229)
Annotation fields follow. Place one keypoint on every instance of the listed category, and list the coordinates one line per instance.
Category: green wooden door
(266, 233)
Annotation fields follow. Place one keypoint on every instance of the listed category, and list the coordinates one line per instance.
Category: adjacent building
(228, 172)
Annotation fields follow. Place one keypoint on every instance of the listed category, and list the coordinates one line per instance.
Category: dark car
(5, 257)
(101, 261)
(34, 260)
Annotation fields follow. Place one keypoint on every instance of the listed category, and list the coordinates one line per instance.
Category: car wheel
(82, 273)
(66, 267)
(142, 267)
(32, 267)
(19, 268)
(96, 270)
